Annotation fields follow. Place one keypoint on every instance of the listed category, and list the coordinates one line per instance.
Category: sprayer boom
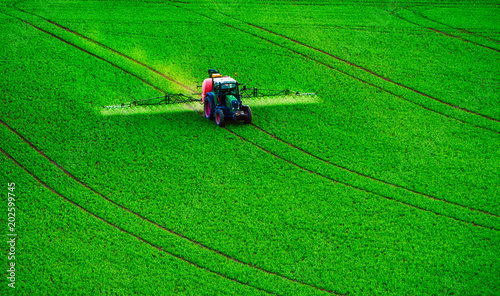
(221, 98)
(167, 99)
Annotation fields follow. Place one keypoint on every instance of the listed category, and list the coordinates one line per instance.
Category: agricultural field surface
(385, 182)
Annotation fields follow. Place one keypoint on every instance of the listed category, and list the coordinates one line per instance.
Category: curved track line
(123, 55)
(293, 146)
(305, 56)
(274, 136)
(88, 52)
(14, 6)
(366, 70)
(123, 230)
(171, 231)
(458, 29)
(150, 221)
(137, 214)
(444, 33)
(373, 178)
(355, 187)
(345, 73)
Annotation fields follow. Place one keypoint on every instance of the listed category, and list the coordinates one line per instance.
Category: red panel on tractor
(206, 87)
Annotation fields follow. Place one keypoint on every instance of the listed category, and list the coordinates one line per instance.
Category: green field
(387, 182)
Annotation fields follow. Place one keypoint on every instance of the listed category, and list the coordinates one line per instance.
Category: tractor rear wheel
(208, 107)
(248, 113)
(219, 118)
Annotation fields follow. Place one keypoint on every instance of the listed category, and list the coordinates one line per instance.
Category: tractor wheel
(208, 107)
(219, 118)
(248, 113)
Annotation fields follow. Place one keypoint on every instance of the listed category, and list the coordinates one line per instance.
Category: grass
(384, 183)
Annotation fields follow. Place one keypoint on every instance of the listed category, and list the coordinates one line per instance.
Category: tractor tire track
(137, 214)
(355, 187)
(347, 74)
(446, 34)
(171, 231)
(14, 6)
(279, 139)
(367, 70)
(123, 55)
(150, 221)
(373, 178)
(123, 230)
(458, 29)
(87, 52)
(201, 245)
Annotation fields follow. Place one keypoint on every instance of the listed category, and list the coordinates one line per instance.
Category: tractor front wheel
(208, 107)
(219, 118)
(248, 113)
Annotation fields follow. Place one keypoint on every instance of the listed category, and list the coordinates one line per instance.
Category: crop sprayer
(221, 98)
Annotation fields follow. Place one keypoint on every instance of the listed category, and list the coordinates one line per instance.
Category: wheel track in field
(137, 214)
(444, 33)
(121, 229)
(458, 29)
(347, 74)
(373, 178)
(152, 222)
(355, 65)
(129, 210)
(241, 137)
(305, 56)
(14, 6)
(261, 129)
(355, 187)
(264, 131)
(191, 240)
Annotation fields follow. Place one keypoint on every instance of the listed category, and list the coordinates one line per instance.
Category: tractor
(222, 100)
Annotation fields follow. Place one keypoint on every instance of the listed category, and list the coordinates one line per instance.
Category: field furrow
(360, 67)
(142, 217)
(121, 229)
(444, 33)
(457, 29)
(384, 183)
(174, 81)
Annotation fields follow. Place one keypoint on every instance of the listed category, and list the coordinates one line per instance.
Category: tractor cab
(226, 90)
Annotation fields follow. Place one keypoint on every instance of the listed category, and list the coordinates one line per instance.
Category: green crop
(378, 185)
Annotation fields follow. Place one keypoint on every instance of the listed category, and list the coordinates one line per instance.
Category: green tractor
(222, 99)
